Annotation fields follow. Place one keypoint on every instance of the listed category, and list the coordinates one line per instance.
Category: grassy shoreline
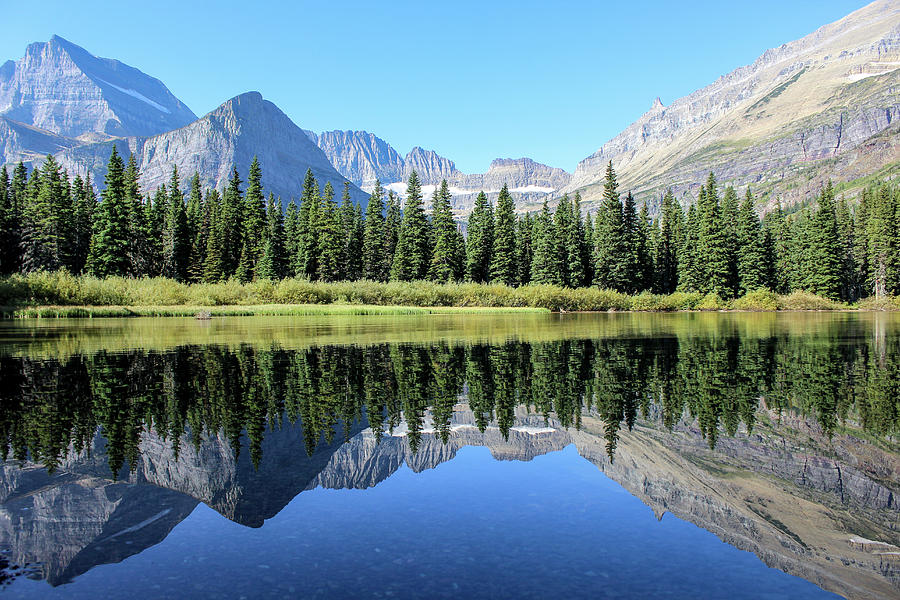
(62, 295)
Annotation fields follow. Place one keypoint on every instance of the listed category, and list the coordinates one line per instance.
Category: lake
(691, 455)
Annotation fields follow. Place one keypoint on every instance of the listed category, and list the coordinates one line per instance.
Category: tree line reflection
(50, 408)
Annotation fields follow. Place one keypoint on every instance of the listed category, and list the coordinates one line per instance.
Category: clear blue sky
(473, 80)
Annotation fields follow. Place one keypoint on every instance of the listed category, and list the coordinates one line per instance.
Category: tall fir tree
(374, 261)
(329, 238)
(524, 247)
(232, 222)
(751, 259)
(176, 235)
(109, 245)
(824, 276)
(714, 250)
(198, 229)
(480, 240)
(503, 253)
(545, 258)
(671, 226)
(351, 236)
(392, 220)
(412, 256)
(443, 267)
(611, 258)
(291, 234)
(214, 269)
(273, 262)
(690, 270)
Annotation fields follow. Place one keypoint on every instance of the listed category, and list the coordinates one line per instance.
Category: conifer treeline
(720, 245)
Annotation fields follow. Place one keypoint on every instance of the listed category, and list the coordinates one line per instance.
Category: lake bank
(59, 294)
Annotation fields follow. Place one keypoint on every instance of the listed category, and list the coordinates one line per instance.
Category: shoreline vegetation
(63, 295)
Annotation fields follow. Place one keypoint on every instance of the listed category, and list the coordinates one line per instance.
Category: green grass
(62, 295)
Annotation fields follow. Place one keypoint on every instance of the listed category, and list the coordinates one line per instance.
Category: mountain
(825, 106)
(363, 157)
(62, 88)
(241, 128)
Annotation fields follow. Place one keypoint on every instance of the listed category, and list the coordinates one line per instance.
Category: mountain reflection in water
(780, 443)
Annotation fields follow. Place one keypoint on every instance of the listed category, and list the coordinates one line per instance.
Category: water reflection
(50, 406)
(780, 443)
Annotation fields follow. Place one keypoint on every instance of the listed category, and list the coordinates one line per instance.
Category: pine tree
(480, 240)
(666, 252)
(329, 238)
(631, 259)
(524, 248)
(84, 205)
(232, 223)
(566, 242)
(198, 229)
(690, 270)
(291, 235)
(881, 231)
(214, 262)
(824, 276)
(8, 258)
(351, 236)
(611, 249)
(10, 250)
(644, 248)
(273, 263)
(304, 262)
(730, 210)
(141, 241)
(778, 236)
(751, 265)
(109, 245)
(45, 217)
(254, 217)
(411, 259)
(443, 267)
(373, 237)
(713, 251)
(580, 247)
(176, 251)
(545, 259)
(503, 253)
(392, 221)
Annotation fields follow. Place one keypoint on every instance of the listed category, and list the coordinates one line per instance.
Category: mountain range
(826, 106)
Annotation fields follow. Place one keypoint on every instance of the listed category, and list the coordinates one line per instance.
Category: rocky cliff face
(363, 157)
(241, 128)
(823, 106)
(24, 142)
(61, 88)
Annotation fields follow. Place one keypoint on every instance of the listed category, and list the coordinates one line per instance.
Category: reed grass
(61, 294)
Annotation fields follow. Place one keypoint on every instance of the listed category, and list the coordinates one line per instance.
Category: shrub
(712, 301)
(757, 300)
(800, 300)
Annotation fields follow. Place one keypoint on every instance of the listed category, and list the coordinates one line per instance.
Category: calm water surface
(527, 456)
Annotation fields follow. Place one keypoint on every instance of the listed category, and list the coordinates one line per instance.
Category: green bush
(712, 301)
(757, 300)
(800, 300)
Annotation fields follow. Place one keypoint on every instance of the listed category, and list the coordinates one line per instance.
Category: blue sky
(472, 80)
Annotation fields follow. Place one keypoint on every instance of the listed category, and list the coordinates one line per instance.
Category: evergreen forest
(719, 245)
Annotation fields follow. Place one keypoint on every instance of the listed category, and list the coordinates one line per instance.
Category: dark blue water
(553, 527)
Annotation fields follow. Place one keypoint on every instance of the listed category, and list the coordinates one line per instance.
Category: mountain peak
(60, 87)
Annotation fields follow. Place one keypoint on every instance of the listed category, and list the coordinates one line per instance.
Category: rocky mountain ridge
(241, 128)
(824, 106)
(61, 88)
(364, 157)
